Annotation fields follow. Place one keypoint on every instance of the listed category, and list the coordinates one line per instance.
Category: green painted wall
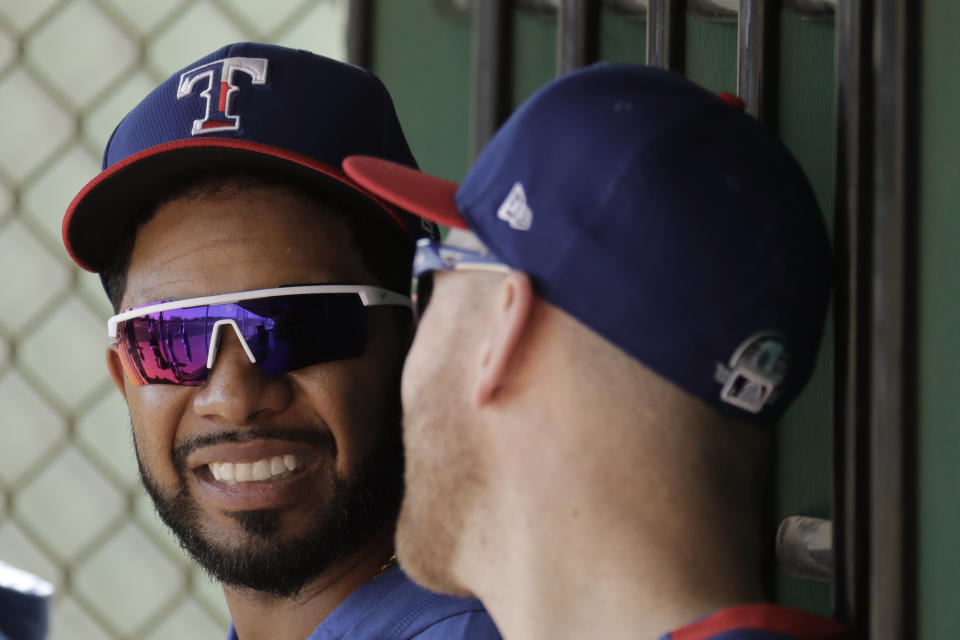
(710, 54)
(535, 53)
(938, 426)
(622, 39)
(423, 56)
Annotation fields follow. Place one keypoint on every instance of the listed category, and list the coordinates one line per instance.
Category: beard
(266, 560)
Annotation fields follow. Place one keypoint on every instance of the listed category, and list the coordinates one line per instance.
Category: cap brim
(419, 193)
(97, 217)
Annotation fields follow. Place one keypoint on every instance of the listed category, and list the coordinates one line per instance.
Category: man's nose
(236, 390)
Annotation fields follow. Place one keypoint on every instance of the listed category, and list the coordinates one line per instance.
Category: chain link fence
(71, 507)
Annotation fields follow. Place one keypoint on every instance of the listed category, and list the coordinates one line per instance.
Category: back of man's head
(659, 215)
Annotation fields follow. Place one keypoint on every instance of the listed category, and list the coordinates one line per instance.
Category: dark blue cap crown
(668, 221)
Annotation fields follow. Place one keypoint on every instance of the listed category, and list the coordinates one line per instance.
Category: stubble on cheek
(441, 480)
(155, 412)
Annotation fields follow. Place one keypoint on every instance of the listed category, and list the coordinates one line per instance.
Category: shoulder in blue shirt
(392, 607)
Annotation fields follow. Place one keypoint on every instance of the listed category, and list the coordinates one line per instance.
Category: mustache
(322, 438)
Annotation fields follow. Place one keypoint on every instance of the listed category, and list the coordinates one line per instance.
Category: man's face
(335, 422)
(445, 462)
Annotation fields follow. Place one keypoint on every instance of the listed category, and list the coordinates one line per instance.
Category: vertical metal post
(359, 33)
(892, 401)
(665, 34)
(491, 51)
(578, 37)
(853, 318)
(757, 59)
(876, 366)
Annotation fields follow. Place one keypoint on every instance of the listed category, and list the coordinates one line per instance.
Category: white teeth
(261, 469)
(265, 469)
(243, 472)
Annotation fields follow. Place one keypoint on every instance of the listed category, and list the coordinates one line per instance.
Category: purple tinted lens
(284, 333)
(168, 347)
(304, 330)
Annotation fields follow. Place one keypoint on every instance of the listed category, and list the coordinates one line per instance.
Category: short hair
(385, 249)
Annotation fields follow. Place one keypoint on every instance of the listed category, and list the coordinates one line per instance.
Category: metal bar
(359, 31)
(757, 57)
(665, 34)
(491, 50)
(892, 403)
(852, 320)
(578, 37)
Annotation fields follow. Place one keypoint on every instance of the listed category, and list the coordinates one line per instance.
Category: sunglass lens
(294, 332)
(424, 290)
(165, 348)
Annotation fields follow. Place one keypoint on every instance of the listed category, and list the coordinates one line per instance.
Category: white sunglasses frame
(370, 296)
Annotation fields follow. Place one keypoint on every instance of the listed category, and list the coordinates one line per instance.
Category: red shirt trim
(763, 617)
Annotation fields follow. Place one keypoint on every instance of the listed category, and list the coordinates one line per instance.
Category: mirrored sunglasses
(432, 256)
(281, 330)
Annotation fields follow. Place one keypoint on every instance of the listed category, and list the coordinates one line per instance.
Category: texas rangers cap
(661, 216)
(247, 106)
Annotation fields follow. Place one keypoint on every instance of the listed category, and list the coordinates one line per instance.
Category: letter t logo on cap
(219, 91)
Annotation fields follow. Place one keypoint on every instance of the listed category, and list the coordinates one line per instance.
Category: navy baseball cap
(658, 214)
(249, 107)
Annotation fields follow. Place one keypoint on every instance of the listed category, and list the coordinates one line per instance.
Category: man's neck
(606, 539)
(260, 616)
(612, 583)
(621, 506)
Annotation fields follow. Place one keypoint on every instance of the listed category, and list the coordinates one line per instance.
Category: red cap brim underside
(419, 193)
(100, 211)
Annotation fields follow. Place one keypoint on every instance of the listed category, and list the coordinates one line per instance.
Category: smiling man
(262, 322)
(632, 293)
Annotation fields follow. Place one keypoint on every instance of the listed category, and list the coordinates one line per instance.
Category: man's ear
(115, 368)
(514, 303)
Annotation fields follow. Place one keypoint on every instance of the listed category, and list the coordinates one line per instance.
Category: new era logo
(514, 210)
